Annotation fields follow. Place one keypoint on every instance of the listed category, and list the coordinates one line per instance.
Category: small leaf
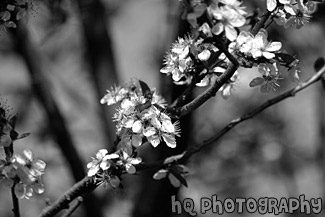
(114, 181)
(178, 176)
(256, 82)
(181, 168)
(13, 120)
(174, 181)
(160, 174)
(21, 136)
(319, 63)
(145, 89)
(173, 158)
(287, 59)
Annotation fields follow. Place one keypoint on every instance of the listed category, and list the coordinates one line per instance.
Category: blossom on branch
(128, 162)
(256, 46)
(178, 61)
(102, 161)
(229, 14)
(12, 11)
(291, 13)
(268, 81)
(141, 115)
(23, 173)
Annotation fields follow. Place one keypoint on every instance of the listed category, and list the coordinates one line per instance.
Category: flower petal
(231, 32)
(93, 170)
(149, 131)
(137, 126)
(204, 55)
(170, 140)
(273, 46)
(136, 140)
(154, 140)
(28, 155)
(135, 161)
(104, 165)
(101, 153)
(218, 28)
(271, 5)
(268, 55)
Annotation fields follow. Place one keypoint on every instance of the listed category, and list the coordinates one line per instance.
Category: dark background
(80, 48)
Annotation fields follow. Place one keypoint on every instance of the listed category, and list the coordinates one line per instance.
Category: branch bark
(83, 187)
(213, 89)
(290, 93)
(88, 185)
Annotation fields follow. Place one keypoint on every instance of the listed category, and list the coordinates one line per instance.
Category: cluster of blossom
(196, 58)
(141, 116)
(106, 168)
(219, 30)
(291, 13)
(140, 119)
(12, 11)
(23, 173)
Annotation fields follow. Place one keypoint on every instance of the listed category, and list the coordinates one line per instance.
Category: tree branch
(88, 185)
(15, 202)
(82, 187)
(318, 76)
(73, 207)
(214, 87)
(260, 24)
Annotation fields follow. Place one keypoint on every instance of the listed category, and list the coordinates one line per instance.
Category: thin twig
(15, 202)
(260, 24)
(73, 207)
(254, 112)
(219, 81)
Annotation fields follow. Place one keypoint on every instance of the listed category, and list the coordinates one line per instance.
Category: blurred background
(55, 69)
